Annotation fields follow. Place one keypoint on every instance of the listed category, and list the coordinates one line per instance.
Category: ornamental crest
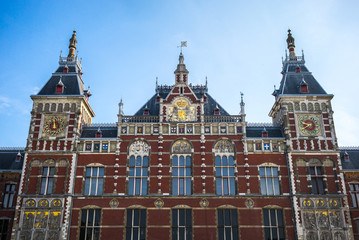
(181, 146)
(139, 147)
(181, 111)
(223, 146)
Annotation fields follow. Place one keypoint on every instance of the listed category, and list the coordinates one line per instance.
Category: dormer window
(99, 133)
(158, 98)
(18, 157)
(216, 111)
(66, 69)
(184, 78)
(297, 70)
(146, 111)
(303, 86)
(264, 133)
(346, 156)
(60, 86)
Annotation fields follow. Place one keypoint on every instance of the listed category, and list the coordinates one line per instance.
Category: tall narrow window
(317, 180)
(90, 224)
(138, 174)
(4, 228)
(181, 224)
(47, 180)
(354, 193)
(227, 224)
(269, 180)
(225, 181)
(9, 195)
(94, 180)
(136, 224)
(181, 180)
(273, 224)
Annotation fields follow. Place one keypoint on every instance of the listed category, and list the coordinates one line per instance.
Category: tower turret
(291, 46)
(181, 71)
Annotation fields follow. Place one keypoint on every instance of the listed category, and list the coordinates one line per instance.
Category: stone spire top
(181, 72)
(72, 45)
(290, 45)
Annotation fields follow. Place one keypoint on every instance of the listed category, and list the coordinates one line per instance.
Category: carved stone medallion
(139, 147)
(159, 203)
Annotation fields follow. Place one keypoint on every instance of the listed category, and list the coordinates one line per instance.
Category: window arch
(181, 168)
(225, 167)
(138, 152)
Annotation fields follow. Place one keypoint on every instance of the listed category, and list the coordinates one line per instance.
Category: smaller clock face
(309, 125)
(54, 125)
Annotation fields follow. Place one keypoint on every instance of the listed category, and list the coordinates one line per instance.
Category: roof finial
(120, 111)
(242, 105)
(72, 46)
(291, 46)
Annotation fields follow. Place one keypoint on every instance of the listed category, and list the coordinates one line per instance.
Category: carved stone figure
(54, 220)
(309, 220)
(336, 219)
(41, 219)
(223, 146)
(311, 236)
(28, 220)
(139, 147)
(339, 236)
(325, 236)
(323, 220)
(39, 235)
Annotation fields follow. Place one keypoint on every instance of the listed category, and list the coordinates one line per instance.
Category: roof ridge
(262, 124)
(12, 148)
(349, 148)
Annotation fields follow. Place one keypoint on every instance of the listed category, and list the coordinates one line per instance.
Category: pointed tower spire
(120, 112)
(181, 71)
(291, 46)
(242, 104)
(72, 46)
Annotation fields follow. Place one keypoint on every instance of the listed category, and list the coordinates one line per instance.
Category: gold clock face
(181, 111)
(309, 125)
(54, 126)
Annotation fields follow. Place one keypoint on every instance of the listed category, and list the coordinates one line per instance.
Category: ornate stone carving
(159, 203)
(224, 146)
(204, 203)
(339, 236)
(336, 219)
(54, 219)
(181, 146)
(312, 236)
(249, 203)
(325, 236)
(139, 148)
(114, 203)
(41, 219)
(28, 220)
(309, 220)
(323, 220)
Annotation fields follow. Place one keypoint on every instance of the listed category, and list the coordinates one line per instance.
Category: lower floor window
(136, 224)
(4, 225)
(227, 224)
(90, 224)
(181, 224)
(273, 224)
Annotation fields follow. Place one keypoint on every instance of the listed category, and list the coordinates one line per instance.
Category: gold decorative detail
(334, 203)
(351, 174)
(114, 203)
(181, 146)
(308, 203)
(249, 203)
(54, 126)
(159, 203)
(30, 203)
(43, 203)
(181, 111)
(56, 203)
(309, 125)
(204, 203)
(320, 203)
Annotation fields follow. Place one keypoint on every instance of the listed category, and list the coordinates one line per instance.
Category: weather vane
(183, 44)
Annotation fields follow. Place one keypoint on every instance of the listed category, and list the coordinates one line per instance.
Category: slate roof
(290, 83)
(353, 163)
(73, 84)
(106, 132)
(8, 158)
(163, 91)
(256, 132)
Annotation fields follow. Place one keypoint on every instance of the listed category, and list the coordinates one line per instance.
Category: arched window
(225, 168)
(181, 168)
(138, 168)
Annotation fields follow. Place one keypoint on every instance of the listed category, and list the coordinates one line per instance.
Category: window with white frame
(225, 167)
(273, 224)
(227, 220)
(90, 224)
(181, 224)
(181, 168)
(138, 164)
(136, 224)
(269, 180)
(225, 179)
(181, 177)
(94, 180)
(138, 174)
(317, 178)
(9, 195)
(47, 180)
(354, 193)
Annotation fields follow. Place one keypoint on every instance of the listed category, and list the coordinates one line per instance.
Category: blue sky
(125, 45)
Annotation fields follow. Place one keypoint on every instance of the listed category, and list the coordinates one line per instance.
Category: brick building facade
(182, 167)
